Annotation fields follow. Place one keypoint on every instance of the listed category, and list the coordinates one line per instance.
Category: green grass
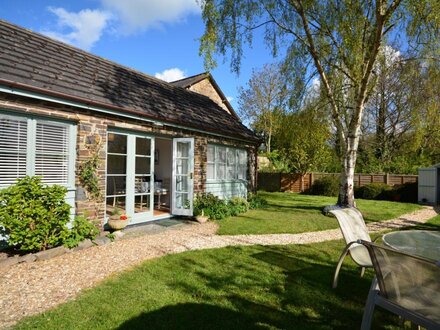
(277, 287)
(297, 213)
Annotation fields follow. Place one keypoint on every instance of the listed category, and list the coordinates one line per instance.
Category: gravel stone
(31, 288)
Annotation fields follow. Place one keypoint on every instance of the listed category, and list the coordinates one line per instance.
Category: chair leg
(362, 271)
(338, 267)
(369, 306)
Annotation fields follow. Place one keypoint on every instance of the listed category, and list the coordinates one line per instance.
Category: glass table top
(423, 243)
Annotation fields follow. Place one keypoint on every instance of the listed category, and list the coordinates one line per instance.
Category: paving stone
(118, 234)
(84, 245)
(51, 253)
(102, 241)
(9, 262)
(28, 258)
(103, 233)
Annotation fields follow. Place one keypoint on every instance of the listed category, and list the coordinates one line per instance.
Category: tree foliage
(264, 101)
(302, 142)
(339, 40)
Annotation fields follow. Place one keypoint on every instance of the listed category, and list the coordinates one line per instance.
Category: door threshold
(163, 216)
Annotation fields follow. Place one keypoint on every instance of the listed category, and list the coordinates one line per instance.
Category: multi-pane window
(225, 163)
(30, 146)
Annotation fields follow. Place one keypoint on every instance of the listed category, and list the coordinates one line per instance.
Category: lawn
(297, 213)
(277, 287)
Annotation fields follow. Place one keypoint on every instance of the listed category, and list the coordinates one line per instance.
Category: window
(13, 141)
(224, 163)
(52, 152)
(30, 146)
(211, 163)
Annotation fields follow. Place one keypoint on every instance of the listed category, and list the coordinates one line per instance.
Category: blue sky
(158, 37)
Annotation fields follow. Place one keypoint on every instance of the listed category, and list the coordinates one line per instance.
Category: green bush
(255, 201)
(237, 205)
(325, 186)
(212, 206)
(81, 229)
(217, 209)
(378, 191)
(404, 193)
(34, 216)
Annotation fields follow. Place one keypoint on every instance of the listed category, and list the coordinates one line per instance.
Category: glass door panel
(143, 176)
(116, 190)
(183, 168)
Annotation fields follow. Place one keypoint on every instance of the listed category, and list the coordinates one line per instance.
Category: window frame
(236, 164)
(31, 144)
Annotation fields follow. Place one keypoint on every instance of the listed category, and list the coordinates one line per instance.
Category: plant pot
(117, 224)
(202, 218)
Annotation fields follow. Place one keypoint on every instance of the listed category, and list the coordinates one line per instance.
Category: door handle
(191, 175)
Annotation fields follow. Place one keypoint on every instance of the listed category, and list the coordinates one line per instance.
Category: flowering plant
(123, 217)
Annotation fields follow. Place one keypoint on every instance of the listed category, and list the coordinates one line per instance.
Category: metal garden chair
(406, 285)
(353, 228)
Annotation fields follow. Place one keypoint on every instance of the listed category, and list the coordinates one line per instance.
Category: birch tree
(339, 40)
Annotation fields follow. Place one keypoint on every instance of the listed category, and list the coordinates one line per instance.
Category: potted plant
(117, 220)
(202, 218)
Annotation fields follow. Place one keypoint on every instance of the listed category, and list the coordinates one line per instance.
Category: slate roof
(32, 61)
(189, 81)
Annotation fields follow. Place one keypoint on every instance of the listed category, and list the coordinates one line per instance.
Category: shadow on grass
(191, 316)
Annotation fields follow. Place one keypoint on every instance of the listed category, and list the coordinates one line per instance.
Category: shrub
(81, 229)
(406, 192)
(379, 191)
(255, 201)
(34, 216)
(212, 206)
(325, 186)
(238, 205)
(217, 209)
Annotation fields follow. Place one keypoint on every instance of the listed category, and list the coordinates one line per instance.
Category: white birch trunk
(346, 189)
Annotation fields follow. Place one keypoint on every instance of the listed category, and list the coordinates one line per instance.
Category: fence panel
(269, 182)
(292, 182)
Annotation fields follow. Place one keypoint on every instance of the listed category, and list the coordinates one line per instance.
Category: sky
(157, 37)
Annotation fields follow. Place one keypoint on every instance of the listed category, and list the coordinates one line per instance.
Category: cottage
(157, 144)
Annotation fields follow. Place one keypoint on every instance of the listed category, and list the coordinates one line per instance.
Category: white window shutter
(13, 145)
(52, 152)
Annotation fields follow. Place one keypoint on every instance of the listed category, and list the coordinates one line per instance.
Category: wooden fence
(292, 182)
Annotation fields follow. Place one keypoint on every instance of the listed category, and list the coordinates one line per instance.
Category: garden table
(423, 243)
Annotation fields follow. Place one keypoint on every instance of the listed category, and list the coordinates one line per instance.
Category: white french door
(183, 177)
(130, 176)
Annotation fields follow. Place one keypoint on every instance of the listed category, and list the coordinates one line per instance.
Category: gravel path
(27, 289)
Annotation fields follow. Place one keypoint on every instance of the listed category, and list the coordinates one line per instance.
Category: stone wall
(205, 87)
(92, 128)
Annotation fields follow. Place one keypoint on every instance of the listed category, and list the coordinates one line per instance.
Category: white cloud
(229, 98)
(82, 29)
(171, 74)
(135, 15)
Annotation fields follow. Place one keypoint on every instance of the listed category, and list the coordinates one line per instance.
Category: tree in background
(341, 39)
(302, 141)
(388, 112)
(426, 121)
(264, 101)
